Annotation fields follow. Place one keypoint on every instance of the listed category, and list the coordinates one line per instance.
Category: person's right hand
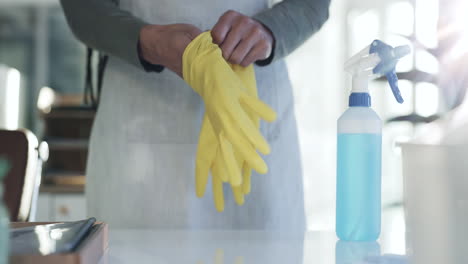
(165, 44)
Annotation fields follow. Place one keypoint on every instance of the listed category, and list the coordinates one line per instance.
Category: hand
(165, 44)
(242, 39)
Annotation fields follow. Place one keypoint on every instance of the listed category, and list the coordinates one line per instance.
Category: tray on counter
(90, 250)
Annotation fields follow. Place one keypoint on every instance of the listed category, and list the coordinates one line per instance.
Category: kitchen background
(50, 71)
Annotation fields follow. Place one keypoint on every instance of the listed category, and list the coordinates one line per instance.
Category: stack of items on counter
(230, 135)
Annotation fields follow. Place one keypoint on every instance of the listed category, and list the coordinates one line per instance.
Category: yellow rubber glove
(205, 70)
(212, 150)
(209, 154)
(247, 75)
(209, 157)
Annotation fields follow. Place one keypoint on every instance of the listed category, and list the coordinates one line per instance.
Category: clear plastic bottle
(359, 146)
(358, 175)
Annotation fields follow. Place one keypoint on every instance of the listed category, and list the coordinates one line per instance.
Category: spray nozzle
(378, 59)
(389, 57)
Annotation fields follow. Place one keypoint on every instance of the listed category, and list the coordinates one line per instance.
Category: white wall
(320, 93)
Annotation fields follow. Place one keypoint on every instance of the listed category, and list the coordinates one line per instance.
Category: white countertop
(245, 247)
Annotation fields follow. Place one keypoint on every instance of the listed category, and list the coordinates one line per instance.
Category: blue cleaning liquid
(358, 207)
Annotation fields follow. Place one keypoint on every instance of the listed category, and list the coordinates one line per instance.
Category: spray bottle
(358, 201)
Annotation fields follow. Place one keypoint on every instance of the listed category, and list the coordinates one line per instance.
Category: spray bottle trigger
(389, 57)
(393, 81)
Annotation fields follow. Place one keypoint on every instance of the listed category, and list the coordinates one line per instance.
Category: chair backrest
(19, 147)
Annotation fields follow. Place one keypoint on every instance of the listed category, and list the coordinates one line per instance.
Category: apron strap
(92, 95)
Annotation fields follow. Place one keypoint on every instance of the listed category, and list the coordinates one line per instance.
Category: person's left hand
(242, 39)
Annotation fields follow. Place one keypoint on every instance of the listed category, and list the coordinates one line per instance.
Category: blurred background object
(10, 87)
(442, 197)
(25, 157)
(42, 55)
(436, 201)
(47, 65)
(4, 227)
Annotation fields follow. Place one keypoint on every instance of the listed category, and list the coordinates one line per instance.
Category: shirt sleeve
(102, 25)
(292, 22)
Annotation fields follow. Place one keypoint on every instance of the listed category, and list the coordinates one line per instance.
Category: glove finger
(219, 256)
(230, 161)
(206, 154)
(247, 76)
(246, 181)
(238, 194)
(246, 151)
(258, 107)
(220, 167)
(239, 260)
(218, 194)
(246, 173)
(237, 117)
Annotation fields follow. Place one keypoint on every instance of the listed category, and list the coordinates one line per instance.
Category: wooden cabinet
(66, 129)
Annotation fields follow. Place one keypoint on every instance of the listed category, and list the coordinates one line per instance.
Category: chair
(21, 184)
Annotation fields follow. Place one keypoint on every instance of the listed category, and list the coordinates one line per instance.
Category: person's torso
(166, 93)
(201, 13)
(144, 139)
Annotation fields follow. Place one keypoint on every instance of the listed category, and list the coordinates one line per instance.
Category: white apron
(141, 162)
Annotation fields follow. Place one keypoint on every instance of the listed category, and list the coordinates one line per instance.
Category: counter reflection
(205, 247)
(347, 252)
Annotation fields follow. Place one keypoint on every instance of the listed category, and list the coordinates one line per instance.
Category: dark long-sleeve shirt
(102, 25)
